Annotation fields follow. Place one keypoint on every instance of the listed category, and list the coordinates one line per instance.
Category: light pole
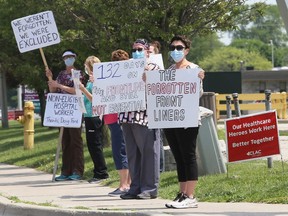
(272, 53)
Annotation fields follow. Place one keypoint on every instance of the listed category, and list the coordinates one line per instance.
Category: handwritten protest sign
(62, 110)
(157, 59)
(76, 74)
(35, 31)
(173, 98)
(118, 87)
(252, 136)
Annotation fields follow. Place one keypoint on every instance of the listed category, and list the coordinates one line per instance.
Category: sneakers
(117, 192)
(127, 196)
(95, 180)
(146, 195)
(74, 177)
(62, 178)
(169, 205)
(185, 202)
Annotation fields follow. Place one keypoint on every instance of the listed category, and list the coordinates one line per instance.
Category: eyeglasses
(137, 49)
(178, 47)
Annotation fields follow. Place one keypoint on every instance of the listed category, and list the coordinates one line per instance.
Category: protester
(182, 141)
(118, 143)
(93, 127)
(142, 143)
(154, 48)
(72, 143)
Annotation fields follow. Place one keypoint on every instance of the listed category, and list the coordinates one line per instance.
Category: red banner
(252, 136)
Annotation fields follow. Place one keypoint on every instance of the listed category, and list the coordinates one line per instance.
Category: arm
(54, 85)
(201, 75)
(85, 92)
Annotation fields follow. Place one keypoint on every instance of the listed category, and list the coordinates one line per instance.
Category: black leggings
(182, 143)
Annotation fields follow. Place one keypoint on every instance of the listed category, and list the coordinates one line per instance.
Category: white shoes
(182, 201)
(169, 205)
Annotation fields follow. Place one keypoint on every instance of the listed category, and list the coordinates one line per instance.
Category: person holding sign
(182, 141)
(142, 143)
(72, 143)
(118, 143)
(93, 127)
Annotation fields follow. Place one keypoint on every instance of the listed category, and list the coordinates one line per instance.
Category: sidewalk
(39, 196)
(79, 198)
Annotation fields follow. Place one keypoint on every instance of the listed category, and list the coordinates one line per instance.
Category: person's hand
(201, 74)
(144, 77)
(48, 73)
(91, 78)
(53, 84)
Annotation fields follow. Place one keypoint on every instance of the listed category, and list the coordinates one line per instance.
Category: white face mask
(69, 61)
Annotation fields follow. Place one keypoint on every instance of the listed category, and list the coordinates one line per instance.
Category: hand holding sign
(36, 31)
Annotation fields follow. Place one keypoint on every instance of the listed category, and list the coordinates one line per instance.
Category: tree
(97, 27)
(231, 59)
(262, 33)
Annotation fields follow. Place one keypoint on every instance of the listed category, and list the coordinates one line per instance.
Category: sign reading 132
(109, 70)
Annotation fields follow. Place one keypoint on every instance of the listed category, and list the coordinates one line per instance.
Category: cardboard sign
(252, 136)
(157, 59)
(173, 98)
(35, 31)
(62, 110)
(118, 87)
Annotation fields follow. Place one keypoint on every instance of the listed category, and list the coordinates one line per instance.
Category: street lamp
(272, 53)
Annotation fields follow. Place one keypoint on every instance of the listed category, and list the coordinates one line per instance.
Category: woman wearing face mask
(142, 143)
(72, 143)
(182, 141)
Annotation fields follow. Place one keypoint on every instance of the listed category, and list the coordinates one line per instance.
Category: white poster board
(35, 31)
(157, 59)
(118, 87)
(76, 74)
(62, 110)
(173, 98)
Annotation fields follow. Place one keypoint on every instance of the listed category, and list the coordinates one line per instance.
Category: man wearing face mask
(72, 143)
(142, 143)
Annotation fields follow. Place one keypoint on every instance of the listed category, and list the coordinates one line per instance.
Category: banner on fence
(252, 136)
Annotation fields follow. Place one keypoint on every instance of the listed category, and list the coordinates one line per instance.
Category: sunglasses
(178, 47)
(137, 49)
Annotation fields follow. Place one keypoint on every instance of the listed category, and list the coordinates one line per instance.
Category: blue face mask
(138, 55)
(69, 61)
(177, 56)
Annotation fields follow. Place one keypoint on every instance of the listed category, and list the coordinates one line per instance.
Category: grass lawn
(248, 181)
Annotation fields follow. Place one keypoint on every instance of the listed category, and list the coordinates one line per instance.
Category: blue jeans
(118, 146)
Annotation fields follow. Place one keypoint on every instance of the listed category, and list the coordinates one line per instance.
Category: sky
(225, 37)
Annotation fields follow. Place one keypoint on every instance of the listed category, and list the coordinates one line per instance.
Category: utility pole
(3, 98)
(272, 53)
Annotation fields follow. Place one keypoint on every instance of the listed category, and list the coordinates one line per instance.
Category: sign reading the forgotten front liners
(35, 31)
(252, 136)
(173, 98)
(118, 87)
(62, 110)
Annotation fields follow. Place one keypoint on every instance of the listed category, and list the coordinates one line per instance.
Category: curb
(8, 208)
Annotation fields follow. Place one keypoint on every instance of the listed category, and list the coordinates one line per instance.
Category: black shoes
(96, 180)
(139, 196)
(146, 196)
(127, 196)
